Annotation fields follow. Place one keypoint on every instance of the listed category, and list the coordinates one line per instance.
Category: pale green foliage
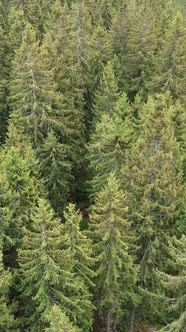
(33, 92)
(59, 321)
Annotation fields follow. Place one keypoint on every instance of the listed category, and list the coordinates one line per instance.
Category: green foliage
(153, 181)
(59, 321)
(55, 170)
(6, 317)
(34, 98)
(108, 145)
(176, 283)
(115, 273)
(107, 93)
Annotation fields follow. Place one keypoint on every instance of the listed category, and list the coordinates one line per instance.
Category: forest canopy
(92, 165)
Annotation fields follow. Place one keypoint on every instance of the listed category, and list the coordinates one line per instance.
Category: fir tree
(108, 147)
(80, 251)
(176, 283)
(115, 273)
(153, 180)
(33, 91)
(59, 321)
(55, 170)
(107, 93)
(171, 65)
(6, 317)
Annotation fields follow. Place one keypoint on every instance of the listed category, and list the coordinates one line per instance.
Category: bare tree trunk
(131, 319)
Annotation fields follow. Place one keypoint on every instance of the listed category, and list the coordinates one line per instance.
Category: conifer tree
(46, 273)
(172, 58)
(176, 283)
(4, 72)
(106, 94)
(108, 146)
(79, 247)
(115, 273)
(78, 244)
(21, 188)
(41, 261)
(6, 317)
(59, 321)
(153, 181)
(55, 170)
(34, 98)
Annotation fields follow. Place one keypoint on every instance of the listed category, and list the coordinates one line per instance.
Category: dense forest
(92, 165)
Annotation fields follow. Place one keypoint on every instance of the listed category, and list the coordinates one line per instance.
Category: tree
(171, 65)
(46, 275)
(106, 94)
(115, 272)
(6, 316)
(41, 274)
(59, 321)
(34, 98)
(5, 68)
(79, 247)
(153, 182)
(55, 170)
(108, 146)
(21, 187)
(176, 283)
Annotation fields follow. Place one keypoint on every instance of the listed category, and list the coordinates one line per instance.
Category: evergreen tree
(41, 276)
(59, 321)
(176, 283)
(55, 170)
(171, 65)
(108, 146)
(6, 317)
(34, 98)
(80, 250)
(153, 181)
(4, 72)
(107, 93)
(115, 273)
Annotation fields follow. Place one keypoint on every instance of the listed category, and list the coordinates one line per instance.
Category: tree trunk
(131, 319)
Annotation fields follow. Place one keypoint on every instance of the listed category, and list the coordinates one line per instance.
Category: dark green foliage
(55, 170)
(6, 317)
(92, 106)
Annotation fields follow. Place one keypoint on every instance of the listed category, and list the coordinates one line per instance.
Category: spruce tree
(5, 68)
(6, 317)
(58, 321)
(35, 101)
(79, 247)
(115, 272)
(108, 146)
(154, 185)
(171, 62)
(41, 275)
(106, 94)
(55, 170)
(176, 284)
